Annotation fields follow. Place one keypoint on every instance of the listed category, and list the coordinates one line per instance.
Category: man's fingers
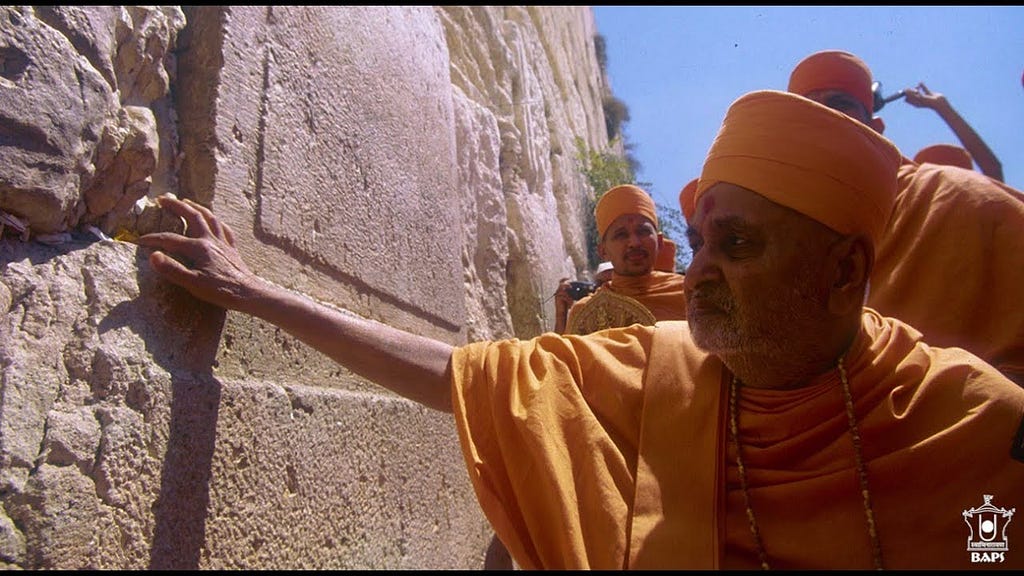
(169, 242)
(212, 223)
(195, 221)
(170, 268)
(229, 235)
(198, 218)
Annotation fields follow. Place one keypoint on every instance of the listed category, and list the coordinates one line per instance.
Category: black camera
(577, 290)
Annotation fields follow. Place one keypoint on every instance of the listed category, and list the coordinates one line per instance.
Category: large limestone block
(53, 107)
(328, 144)
(123, 447)
(484, 221)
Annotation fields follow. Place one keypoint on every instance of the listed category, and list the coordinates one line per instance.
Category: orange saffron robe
(951, 263)
(660, 292)
(611, 451)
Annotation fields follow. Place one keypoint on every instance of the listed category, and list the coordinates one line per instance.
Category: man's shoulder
(903, 347)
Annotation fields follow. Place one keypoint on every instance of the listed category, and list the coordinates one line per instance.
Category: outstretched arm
(207, 264)
(922, 97)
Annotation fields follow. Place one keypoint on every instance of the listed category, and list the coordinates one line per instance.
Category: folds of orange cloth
(951, 263)
(573, 445)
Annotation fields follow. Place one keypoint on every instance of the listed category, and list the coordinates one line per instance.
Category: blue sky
(678, 68)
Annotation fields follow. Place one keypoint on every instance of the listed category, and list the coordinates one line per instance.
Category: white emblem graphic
(987, 541)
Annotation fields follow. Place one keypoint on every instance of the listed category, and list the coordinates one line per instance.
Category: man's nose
(703, 268)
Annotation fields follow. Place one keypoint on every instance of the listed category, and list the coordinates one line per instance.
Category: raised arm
(206, 263)
(922, 97)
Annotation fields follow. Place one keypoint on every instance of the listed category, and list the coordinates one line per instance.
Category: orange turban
(624, 199)
(834, 70)
(666, 256)
(945, 154)
(686, 200)
(805, 156)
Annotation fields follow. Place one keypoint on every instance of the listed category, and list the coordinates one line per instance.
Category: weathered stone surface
(534, 69)
(77, 137)
(484, 220)
(366, 215)
(412, 165)
(166, 467)
(12, 544)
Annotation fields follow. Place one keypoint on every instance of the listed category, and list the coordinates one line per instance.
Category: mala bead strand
(743, 476)
(862, 471)
(862, 474)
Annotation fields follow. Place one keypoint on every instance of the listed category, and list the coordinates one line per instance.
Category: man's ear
(878, 124)
(853, 258)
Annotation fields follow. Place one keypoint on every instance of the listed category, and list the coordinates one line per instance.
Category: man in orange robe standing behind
(641, 289)
(951, 261)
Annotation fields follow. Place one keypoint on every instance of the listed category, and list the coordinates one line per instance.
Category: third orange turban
(945, 154)
(834, 70)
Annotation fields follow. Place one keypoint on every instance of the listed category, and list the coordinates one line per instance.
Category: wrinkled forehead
(727, 208)
(725, 201)
(841, 102)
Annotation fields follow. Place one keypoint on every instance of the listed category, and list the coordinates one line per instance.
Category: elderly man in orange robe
(784, 425)
(644, 286)
(951, 261)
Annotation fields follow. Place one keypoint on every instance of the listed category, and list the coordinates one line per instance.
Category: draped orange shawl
(951, 263)
(608, 451)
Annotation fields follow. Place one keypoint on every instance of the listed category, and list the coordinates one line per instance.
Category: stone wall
(412, 165)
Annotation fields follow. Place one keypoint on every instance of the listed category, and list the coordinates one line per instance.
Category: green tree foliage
(601, 51)
(616, 114)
